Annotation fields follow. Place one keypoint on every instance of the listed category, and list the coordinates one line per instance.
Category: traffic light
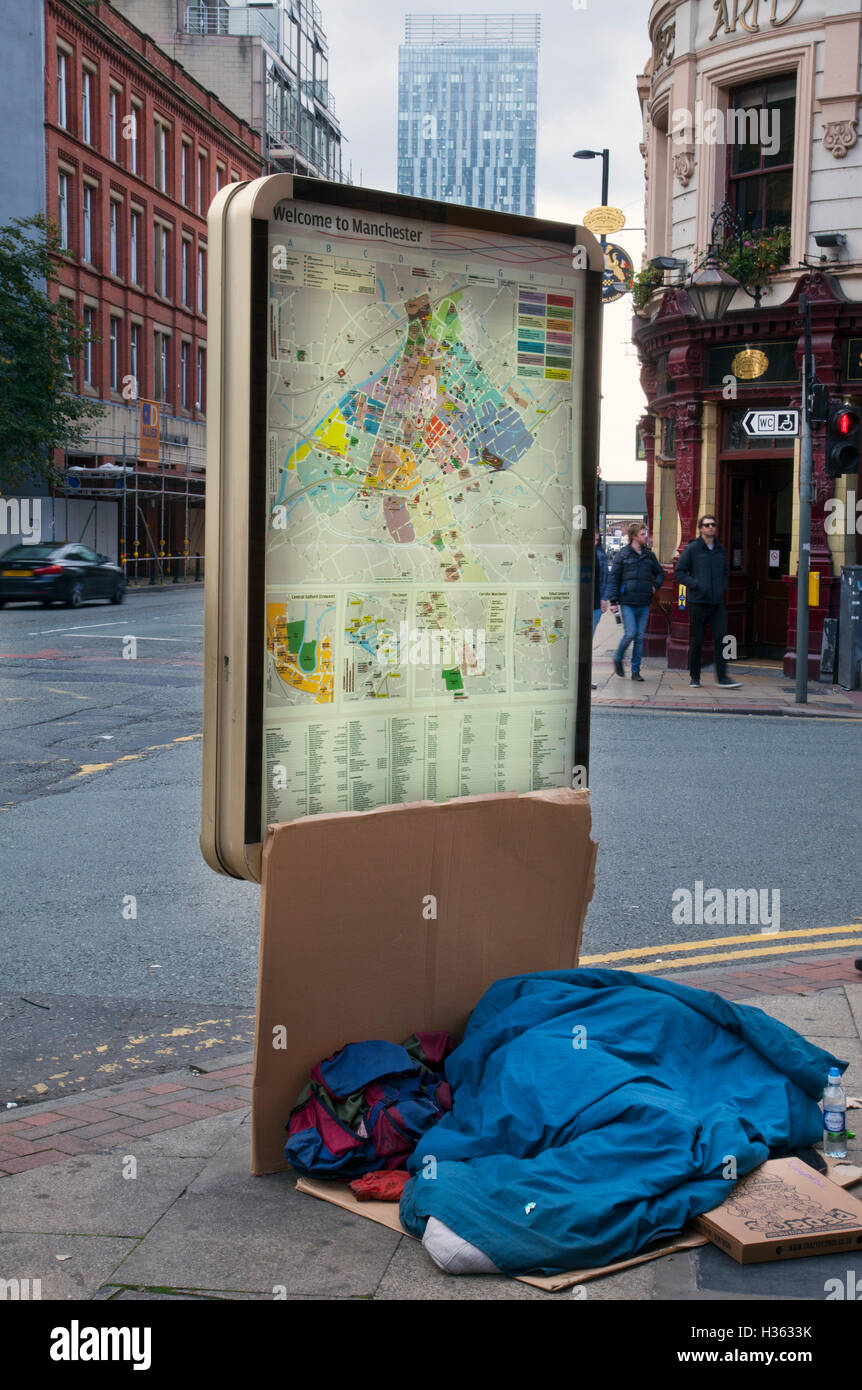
(843, 439)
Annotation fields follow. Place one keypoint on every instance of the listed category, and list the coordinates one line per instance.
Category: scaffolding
(161, 507)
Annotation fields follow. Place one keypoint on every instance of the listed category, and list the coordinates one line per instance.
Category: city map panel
(423, 511)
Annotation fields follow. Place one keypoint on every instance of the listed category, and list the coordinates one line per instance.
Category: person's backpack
(366, 1106)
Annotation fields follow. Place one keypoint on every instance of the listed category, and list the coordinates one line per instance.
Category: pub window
(761, 120)
(668, 437)
(737, 440)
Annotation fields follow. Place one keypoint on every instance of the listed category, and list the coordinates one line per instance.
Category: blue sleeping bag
(596, 1111)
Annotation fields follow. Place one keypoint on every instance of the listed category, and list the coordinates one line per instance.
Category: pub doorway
(756, 526)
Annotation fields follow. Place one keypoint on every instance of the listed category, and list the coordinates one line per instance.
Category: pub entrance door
(758, 508)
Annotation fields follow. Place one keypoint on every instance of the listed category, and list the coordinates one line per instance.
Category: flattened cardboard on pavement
(386, 1214)
(376, 924)
(784, 1210)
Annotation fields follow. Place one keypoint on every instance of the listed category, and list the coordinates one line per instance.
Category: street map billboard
(402, 441)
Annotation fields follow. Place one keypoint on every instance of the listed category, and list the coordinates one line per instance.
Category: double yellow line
(656, 955)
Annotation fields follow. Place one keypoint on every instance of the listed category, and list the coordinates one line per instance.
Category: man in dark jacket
(702, 568)
(635, 576)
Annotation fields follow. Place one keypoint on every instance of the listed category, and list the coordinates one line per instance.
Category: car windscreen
(31, 552)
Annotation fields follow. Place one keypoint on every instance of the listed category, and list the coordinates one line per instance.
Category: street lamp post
(803, 561)
(605, 157)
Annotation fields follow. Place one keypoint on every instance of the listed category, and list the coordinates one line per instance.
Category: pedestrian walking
(702, 568)
(635, 576)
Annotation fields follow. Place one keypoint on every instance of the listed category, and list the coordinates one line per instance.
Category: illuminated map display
(423, 511)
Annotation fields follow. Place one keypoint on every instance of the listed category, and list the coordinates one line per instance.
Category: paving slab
(200, 1139)
(854, 999)
(235, 1231)
(824, 1014)
(91, 1260)
(716, 1272)
(412, 1275)
(90, 1196)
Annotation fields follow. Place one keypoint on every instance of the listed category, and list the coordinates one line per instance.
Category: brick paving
(95, 1121)
(794, 977)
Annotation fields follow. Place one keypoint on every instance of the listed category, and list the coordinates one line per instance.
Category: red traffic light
(843, 439)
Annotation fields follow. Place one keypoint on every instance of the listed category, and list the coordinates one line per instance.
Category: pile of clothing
(593, 1114)
(366, 1105)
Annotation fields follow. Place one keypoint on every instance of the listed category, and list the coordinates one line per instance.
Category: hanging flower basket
(644, 284)
(756, 258)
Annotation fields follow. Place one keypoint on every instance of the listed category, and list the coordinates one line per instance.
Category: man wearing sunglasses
(702, 568)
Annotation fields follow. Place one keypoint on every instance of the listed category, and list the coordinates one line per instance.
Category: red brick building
(135, 151)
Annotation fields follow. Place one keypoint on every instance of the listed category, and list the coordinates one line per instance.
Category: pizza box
(781, 1211)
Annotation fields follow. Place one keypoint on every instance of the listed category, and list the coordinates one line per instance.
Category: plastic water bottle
(834, 1116)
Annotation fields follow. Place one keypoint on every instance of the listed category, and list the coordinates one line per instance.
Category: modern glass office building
(467, 97)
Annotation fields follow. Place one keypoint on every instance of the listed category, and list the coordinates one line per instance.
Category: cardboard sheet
(377, 924)
(386, 1214)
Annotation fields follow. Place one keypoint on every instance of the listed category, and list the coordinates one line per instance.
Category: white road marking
(81, 627)
(121, 637)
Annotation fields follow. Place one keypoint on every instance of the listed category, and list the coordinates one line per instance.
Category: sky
(591, 53)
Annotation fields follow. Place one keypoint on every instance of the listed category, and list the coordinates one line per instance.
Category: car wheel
(119, 593)
(76, 595)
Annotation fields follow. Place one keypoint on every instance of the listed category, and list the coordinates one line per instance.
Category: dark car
(58, 572)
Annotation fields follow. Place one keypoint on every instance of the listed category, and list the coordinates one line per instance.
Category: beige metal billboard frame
(231, 828)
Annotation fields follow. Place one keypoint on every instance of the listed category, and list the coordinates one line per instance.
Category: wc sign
(149, 425)
(772, 422)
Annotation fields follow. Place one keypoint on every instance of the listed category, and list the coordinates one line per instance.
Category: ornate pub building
(751, 146)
